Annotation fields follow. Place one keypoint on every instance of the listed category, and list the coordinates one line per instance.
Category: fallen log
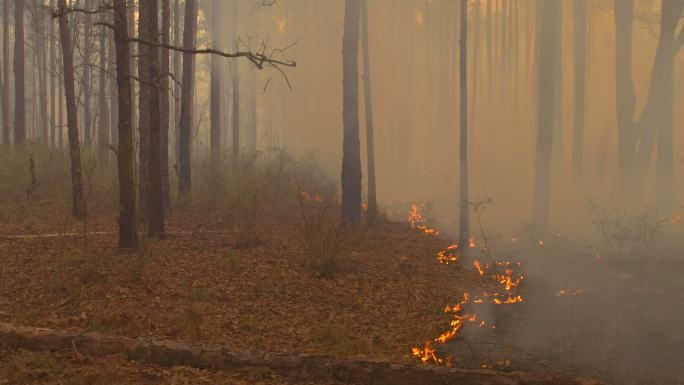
(299, 367)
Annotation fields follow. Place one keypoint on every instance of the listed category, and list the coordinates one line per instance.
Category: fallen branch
(303, 366)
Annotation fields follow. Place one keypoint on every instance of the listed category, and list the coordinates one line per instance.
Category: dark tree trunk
(19, 71)
(185, 128)
(464, 209)
(5, 74)
(149, 67)
(164, 106)
(370, 140)
(144, 95)
(86, 86)
(128, 235)
(103, 113)
(53, 75)
(235, 82)
(546, 106)
(490, 54)
(177, 76)
(351, 154)
(113, 93)
(40, 49)
(216, 82)
(580, 56)
(78, 207)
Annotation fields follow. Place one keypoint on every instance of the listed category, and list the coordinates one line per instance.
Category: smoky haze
(575, 144)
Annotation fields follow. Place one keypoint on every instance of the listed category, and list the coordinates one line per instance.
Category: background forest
(241, 172)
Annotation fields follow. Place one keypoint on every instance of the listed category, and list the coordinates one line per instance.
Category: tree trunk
(19, 83)
(128, 235)
(464, 209)
(370, 141)
(546, 106)
(236, 95)
(185, 128)
(625, 96)
(113, 92)
(78, 208)
(144, 95)
(351, 155)
(177, 76)
(580, 56)
(216, 82)
(5, 74)
(87, 89)
(164, 106)
(149, 67)
(103, 113)
(53, 75)
(490, 54)
(40, 50)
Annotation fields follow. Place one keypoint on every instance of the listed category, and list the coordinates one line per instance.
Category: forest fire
(417, 221)
(503, 275)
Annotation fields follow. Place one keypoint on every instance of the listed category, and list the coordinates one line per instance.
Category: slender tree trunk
(546, 106)
(177, 76)
(351, 155)
(103, 113)
(185, 128)
(78, 207)
(87, 89)
(53, 75)
(370, 141)
(476, 63)
(128, 235)
(5, 74)
(216, 82)
(133, 61)
(626, 98)
(464, 209)
(236, 95)
(164, 86)
(144, 123)
(60, 104)
(19, 71)
(150, 106)
(40, 49)
(113, 93)
(580, 56)
(490, 54)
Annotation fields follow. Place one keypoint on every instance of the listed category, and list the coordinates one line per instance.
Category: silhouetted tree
(185, 128)
(370, 140)
(5, 74)
(351, 156)
(464, 208)
(78, 207)
(580, 56)
(164, 87)
(128, 235)
(103, 111)
(215, 85)
(19, 83)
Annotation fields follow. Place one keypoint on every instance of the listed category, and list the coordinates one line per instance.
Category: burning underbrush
(499, 284)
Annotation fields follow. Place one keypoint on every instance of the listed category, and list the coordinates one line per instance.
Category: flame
(417, 221)
(309, 197)
(471, 243)
(479, 267)
(541, 243)
(504, 276)
(563, 292)
(449, 255)
(676, 219)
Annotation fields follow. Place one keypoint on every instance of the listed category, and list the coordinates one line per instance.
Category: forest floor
(198, 285)
(386, 295)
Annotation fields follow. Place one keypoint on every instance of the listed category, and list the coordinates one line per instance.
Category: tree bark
(86, 86)
(185, 128)
(5, 74)
(370, 137)
(128, 235)
(235, 82)
(150, 110)
(78, 207)
(464, 207)
(103, 112)
(216, 82)
(177, 76)
(351, 155)
(53, 76)
(19, 72)
(164, 86)
(546, 106)
(144, 95)
(580, 56)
